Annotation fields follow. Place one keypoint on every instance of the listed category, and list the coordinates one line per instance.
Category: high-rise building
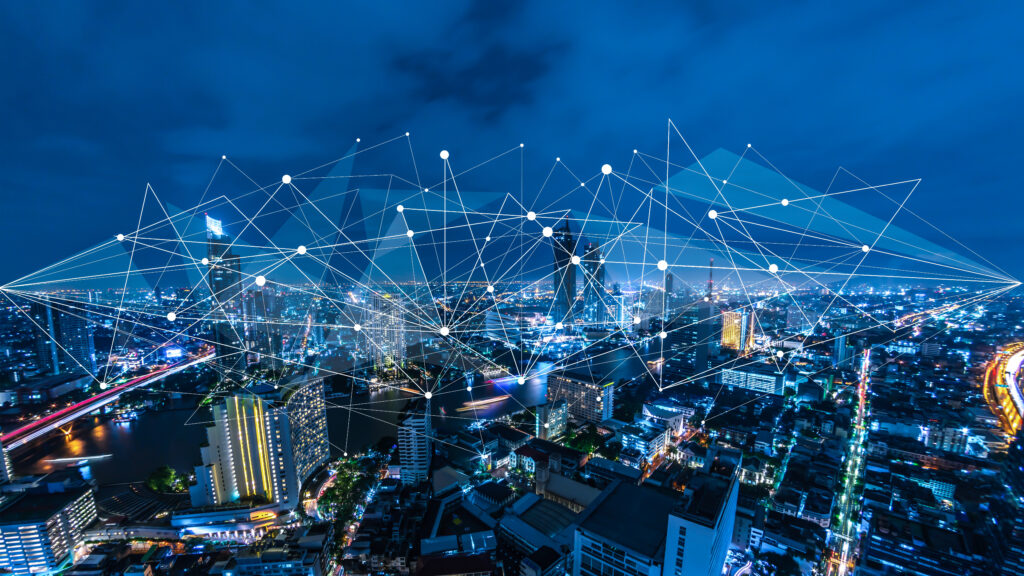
(64, 340)
(262, 310)
(263, 444)
(760, 377)
(415, 449)
(700, 525)
(587, 398)
(552, 418)
(737, 330)
(39, 531)
(842, 355)
(224, 279)
(385, 331)
(6, 470)
(594, 308)
(564, 278)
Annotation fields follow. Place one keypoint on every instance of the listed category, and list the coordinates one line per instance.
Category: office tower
(39, 531)
(224, 278)
(760, 377)
(700, 525)
(670, 283)
(593, 284)
(587, 398)
(552, 418)
(842, 355)
(262, 311)
(263, 444)
(564, 278)
(707, 320)
(414, 441)
(737, 331)
(64, 340)
(385, 331)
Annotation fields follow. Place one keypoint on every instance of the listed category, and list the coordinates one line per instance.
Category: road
(845, 534)
(43, 426)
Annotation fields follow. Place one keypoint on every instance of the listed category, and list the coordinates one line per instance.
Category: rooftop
(631, 516)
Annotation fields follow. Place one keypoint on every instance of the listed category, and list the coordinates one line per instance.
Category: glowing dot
(662, 265)
(120, 237)
(773, 268)
(171, 316)
(520, 380)
(406, 133)
(548, 231)
(865, 248)
(634, 151)
(546, 424)
(606, 169)
(444, 331)
(575, 259)
(636, 319)
(582, 185)
(602, 260)
(444, 154)
(481, 264)
(426, 189)
(748, 145)
(357, 327)
(785, 202)
(286, 179)
(205, 261)
(400, 208)
(301, 250)
(487, 239)
(662, 335)
(428, 395)
(469, 388)
(780, 353)
(409, 233)
(725, 182)
(712, 214)
(261, 280)
(224, 157)
(521, 144)
(558, 158)
(358, 140)
(559, 325)
(490, 289)
(531, 215)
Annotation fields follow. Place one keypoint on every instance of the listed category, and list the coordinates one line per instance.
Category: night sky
(98, 100)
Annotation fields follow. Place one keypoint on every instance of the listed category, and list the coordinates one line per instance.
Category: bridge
(43, 426)
(1002, 387)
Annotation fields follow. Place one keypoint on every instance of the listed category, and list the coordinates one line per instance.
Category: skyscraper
(593, 284)
(552, 418)
(414, 441)
(588, 398)
(262, 311)
(224, 278)
(564, 278)
(385, 331)
(64, 340)
(263, 444)
(737, 332)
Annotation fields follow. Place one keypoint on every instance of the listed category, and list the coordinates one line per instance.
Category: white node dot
(469, 388)
(582, 185)
(444, 154)
(548, 231)
(490, 289)
(261, 280)
(520, 380)
(558, 158)
(481, 264)
(286, 179)
(725, 182)
(636, 319)
(559, 326)
(748, 145)
(575, 259)
(865, 248)
(606, 169)
(521, 144)
(444, 331)
(487, 239)
(205, 261)
(224, 157)
(662, 265)
(785, 202)
(780, 353)
(602, 260)
(357, 327)
(400, 208)
(428, 395)
(531, 215)
(712, 214)
(662, 335)
(120, 237)
(634, 151)
(358, 140)
(301, 250)
(171, 316)
(409, 233)
(546, 425)
(406, 133)
(773, 268)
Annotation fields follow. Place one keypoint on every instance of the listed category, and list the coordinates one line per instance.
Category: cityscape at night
(423, 307)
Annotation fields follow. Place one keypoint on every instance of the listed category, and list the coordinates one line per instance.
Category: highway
(844, 534)
(43, 426)
(1002, 387)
